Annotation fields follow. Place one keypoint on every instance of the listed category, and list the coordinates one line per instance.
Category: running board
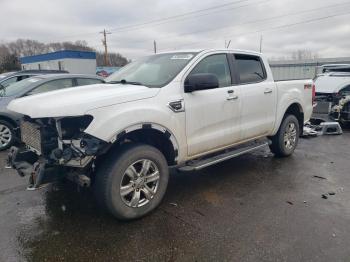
(226, 155)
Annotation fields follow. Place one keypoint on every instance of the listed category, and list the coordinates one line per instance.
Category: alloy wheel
(139, 183)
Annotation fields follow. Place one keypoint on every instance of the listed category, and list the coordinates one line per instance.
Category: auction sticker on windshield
(182, 56)
(33, 80)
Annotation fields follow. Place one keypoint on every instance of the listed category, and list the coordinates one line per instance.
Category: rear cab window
(250, 69)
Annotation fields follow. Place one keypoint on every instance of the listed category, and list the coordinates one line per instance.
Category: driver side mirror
(197, 82)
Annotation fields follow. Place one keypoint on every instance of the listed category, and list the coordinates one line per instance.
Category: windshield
(152, 71)
(18, 87)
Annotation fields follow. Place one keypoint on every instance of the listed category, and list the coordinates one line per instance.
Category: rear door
(258, 96)
(212, 115)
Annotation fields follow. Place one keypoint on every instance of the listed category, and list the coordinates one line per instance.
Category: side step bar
(199, 164)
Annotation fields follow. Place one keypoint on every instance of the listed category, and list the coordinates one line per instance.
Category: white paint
(332, 83)
(210, 121)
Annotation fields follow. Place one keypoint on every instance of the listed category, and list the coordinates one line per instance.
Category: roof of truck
(211, 50)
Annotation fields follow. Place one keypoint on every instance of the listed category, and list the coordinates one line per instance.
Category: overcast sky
(321, 26)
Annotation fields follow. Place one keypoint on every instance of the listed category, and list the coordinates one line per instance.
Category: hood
(77, 101)
(331, 84)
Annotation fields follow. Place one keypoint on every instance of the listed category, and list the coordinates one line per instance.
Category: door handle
(231, 96)
(268, 91)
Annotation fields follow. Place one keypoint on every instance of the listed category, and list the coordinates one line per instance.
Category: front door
(213, 115)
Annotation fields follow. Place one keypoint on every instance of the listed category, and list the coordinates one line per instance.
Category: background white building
(75, 62)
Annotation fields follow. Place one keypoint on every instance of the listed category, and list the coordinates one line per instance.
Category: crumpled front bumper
(26, 162)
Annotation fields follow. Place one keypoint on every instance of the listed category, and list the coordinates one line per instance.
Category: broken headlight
(72, 127)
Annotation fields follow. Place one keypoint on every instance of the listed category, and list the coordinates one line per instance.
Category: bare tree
(10, 52)
(303, 54)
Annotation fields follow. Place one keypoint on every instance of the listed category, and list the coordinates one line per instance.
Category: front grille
(31, 135)
(323, 108)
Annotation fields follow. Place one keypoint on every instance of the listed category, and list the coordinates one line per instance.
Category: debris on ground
(290, 203)
(173, 204)
(317, 127)
(320, 177)
(325, 196)
(200, 213)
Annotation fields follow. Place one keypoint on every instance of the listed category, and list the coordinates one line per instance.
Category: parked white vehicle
(183, 109)
(333, 92)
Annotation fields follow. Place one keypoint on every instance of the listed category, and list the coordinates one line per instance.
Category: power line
(250, 22)
(197, 16)
(175, 18)
(262, 20)
(178, 16)
(278, 27)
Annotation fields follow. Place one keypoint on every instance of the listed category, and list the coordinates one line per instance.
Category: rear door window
(250, 69)
(52, 86)
(88, 81)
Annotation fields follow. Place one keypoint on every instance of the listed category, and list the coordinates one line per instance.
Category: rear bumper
(27, 163)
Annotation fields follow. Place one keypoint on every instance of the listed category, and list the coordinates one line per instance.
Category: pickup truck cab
(184, 109)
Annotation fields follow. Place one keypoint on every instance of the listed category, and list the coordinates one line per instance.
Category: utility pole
(261, 42)
(104, 42)
(155, 46)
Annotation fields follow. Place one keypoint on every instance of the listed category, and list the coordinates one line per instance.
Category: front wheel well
(9, 120)
(296, 110)
(154, 138)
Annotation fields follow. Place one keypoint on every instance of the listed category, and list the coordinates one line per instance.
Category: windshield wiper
(124, 82)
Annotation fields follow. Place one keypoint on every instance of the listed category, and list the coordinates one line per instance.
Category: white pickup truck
(185, 110)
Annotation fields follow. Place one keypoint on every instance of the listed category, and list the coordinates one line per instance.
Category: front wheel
(132, 181)
(7, 135)
(287, 137)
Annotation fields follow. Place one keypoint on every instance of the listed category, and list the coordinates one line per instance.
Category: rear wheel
(132, 181)
(6, 135)
(287, 137)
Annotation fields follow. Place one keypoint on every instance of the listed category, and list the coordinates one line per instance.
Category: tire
(123, 168)
(284, 146)
(7, 135)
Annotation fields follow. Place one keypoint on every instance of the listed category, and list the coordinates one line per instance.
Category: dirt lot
(253, 208)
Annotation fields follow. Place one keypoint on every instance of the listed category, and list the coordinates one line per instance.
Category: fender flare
(153, 126)
(285, 109)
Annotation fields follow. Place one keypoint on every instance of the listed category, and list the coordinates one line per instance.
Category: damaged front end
(56, 143)
(341, 111)
(336, 106)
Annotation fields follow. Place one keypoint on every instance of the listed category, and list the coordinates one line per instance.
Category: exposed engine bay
(337, 106)
(341, 111)
(55, 142)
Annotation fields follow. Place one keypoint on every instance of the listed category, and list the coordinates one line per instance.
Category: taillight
(313, 94)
